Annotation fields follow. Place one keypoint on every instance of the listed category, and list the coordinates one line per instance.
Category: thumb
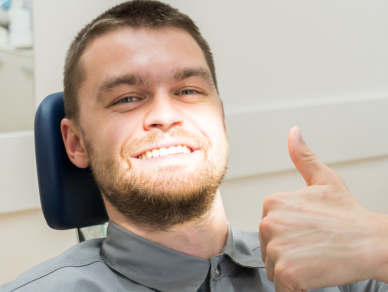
(313, 170)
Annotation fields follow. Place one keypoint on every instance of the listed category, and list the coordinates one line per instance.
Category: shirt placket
(220, 266)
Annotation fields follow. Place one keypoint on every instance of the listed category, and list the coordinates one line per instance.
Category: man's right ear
(75, 147)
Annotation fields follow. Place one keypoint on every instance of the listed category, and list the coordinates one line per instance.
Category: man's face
(146, 93)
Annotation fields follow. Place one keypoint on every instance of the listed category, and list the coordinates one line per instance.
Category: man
(143, 112)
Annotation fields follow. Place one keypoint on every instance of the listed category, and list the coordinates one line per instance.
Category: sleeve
(365, 286)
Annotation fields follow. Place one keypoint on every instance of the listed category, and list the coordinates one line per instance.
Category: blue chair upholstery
(69, 196)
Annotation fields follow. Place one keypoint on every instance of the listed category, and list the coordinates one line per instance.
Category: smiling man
(149, 124)
(143, 112)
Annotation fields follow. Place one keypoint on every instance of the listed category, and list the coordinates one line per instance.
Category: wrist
(378, 248)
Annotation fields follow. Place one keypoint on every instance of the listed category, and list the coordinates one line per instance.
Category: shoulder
(58, 269)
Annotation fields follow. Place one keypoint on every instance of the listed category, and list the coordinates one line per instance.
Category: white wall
(267, 52)
(244, 197)
(319, 64)
(26, 240)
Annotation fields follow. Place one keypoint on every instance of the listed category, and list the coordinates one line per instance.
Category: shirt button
(218, 270)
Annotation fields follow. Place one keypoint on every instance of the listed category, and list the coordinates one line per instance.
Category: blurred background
(322, 65)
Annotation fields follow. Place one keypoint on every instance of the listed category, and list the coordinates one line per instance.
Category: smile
(163, 151)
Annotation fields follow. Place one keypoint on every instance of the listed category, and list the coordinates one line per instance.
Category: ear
(74, 145)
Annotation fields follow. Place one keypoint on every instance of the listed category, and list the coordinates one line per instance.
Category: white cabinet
(17, 105)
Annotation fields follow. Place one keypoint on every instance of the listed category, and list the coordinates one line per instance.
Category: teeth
(179, 149)
(186, 149)
(172, 150)
(164, 151)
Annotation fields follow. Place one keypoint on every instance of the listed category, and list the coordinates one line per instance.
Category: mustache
(131, 146)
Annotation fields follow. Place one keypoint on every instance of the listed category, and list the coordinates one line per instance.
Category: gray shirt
(127, 262)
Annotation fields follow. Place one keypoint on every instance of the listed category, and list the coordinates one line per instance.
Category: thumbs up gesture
(319, 236)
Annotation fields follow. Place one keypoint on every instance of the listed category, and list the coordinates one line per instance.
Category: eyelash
(186, 91)
(191, 90)
(124, 100)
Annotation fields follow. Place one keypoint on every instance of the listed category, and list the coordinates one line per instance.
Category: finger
(271, 260)
(269, 268)
(263, 245)
(313, 170)
(281, 287)
(270, 251)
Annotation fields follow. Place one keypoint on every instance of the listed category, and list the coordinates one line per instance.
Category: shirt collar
(240, 252)
(158, 267)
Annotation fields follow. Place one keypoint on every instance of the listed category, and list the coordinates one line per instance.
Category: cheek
(109, 134)
(210, 122)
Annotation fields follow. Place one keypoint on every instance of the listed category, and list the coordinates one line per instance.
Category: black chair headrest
(70, 198)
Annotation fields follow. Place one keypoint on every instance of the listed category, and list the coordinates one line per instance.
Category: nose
(163, 114)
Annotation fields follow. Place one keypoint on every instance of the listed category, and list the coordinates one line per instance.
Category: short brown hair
(136, 14)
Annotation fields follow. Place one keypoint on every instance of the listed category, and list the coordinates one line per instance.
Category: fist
(318, 236)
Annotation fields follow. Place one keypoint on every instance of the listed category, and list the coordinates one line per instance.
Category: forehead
(147, 52)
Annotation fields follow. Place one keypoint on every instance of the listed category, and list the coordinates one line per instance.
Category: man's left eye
(188, 91)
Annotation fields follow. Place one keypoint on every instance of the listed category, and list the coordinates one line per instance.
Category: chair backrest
(69, 195)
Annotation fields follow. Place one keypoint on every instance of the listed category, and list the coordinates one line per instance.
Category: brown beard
(168, 196)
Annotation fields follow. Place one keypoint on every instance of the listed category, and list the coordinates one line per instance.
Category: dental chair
(69, 195)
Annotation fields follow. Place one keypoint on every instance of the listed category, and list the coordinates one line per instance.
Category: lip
(166, 144)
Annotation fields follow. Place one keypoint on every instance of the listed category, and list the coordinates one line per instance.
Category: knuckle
(272, 250)
(308, 154)
(272, 200)
(284, 273)
(265, 226)
(269, 201)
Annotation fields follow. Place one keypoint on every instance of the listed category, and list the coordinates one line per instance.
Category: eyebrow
(111, 83)
(200, 72)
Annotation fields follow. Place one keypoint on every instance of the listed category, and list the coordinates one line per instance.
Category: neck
(204, 238)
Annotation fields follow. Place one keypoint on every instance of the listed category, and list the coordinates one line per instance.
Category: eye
(128, 99)
(188, 91)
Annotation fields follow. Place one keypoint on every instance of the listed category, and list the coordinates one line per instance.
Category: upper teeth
(164, 151)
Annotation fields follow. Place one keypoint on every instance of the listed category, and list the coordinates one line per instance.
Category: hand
(318, 236)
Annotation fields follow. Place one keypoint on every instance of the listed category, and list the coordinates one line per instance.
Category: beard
(165, 196)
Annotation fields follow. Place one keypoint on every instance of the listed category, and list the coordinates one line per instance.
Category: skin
(159, 105)
(319, 236)
(315, 237)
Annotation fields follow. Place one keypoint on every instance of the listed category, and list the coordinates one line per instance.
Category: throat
(203, 238)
